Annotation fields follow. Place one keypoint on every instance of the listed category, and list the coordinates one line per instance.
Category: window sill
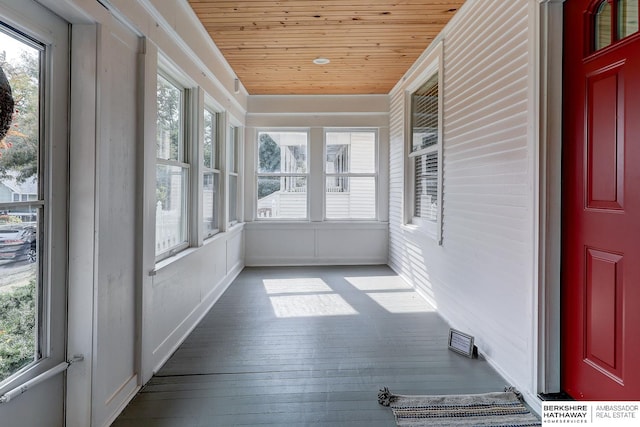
(164, 263)
(336, 225)
(271, 219)
(419, 231)
(173, 259)
(233, 228)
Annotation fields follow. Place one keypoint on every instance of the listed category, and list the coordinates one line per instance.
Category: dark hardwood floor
(303, 346)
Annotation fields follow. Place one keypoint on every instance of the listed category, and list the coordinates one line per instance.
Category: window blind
(426, 186)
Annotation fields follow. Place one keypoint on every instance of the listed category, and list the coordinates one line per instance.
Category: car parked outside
(18, 242)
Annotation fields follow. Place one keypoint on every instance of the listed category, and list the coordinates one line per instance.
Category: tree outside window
(282, 175)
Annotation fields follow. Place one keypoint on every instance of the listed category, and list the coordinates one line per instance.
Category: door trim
(550, 47)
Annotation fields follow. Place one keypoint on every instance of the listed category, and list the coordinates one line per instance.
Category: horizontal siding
(481, 276)
(396, 180)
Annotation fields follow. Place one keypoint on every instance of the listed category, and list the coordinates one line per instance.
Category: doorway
(601, 201)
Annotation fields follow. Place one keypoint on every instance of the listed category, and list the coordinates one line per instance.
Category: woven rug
(499, 409)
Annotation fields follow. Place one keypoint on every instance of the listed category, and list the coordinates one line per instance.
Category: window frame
(615, 35)
(213, 170)
(259, 174)
(374, 174)
(232, 169)
(433, 229)
(183, 160)
(35, 28)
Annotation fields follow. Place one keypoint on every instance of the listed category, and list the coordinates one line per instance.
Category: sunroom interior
(206, 144)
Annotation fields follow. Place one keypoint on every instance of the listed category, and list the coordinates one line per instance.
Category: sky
(12, 47)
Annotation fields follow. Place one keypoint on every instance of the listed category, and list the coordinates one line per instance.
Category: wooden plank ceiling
(271, 44)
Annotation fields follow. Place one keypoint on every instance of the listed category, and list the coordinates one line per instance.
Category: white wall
(115, 374)
(482, 277)
(316, 240)
(310, 243)
(182, 291)
(128, 313)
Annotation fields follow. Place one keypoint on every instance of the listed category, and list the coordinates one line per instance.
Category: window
(613, 21)
(282, 174)
(210, 175)
(232, 168)
(425, 156)
(350, 174)
(627, 21)
(172, 169)
(22, 293)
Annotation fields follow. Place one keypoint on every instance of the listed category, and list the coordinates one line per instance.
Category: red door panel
(601, 213)
(605, 140)
(603, 309)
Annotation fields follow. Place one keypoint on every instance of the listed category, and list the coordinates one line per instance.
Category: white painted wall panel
(277, 244)
(328, 243)
(351, 245)
(481, 277)
(184, 290)
(115, 370)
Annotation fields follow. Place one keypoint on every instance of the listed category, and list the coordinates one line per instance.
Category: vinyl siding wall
(481, 277)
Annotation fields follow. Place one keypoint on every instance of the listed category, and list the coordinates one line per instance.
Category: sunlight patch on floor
(297, 285)
(311, 305)
(401, 302)
(377, 283)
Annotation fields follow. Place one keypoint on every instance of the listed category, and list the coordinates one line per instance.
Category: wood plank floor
(301, 346)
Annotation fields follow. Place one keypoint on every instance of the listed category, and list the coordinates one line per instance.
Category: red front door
(601, 202)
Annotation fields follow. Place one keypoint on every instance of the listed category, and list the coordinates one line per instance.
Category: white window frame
(184, 157)
(214, 169)
(351, 174)
(232, 167)
(431, 228)
(33, 25)
(259, 175)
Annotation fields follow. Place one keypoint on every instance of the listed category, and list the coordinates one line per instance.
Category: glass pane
(171, 197)
(233, 198)
(210, 201)
(20, 219)
(282, 152)
(351, 197)
(426, 186)
(19, 288)
(627, 18)
(282, 197)
(20, 146)
(603, 26)
(424, 115)
(169, 137)
(350, 152)
(232, 151)
(210, 140)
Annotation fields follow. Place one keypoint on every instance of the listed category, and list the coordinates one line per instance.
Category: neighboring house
(290, 199)
(346, 196)
(13, 191)
(520, 234)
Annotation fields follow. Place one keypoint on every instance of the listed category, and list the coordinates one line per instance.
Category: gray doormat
(498, 409)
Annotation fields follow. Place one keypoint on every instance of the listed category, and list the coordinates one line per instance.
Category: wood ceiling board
(371, 43)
